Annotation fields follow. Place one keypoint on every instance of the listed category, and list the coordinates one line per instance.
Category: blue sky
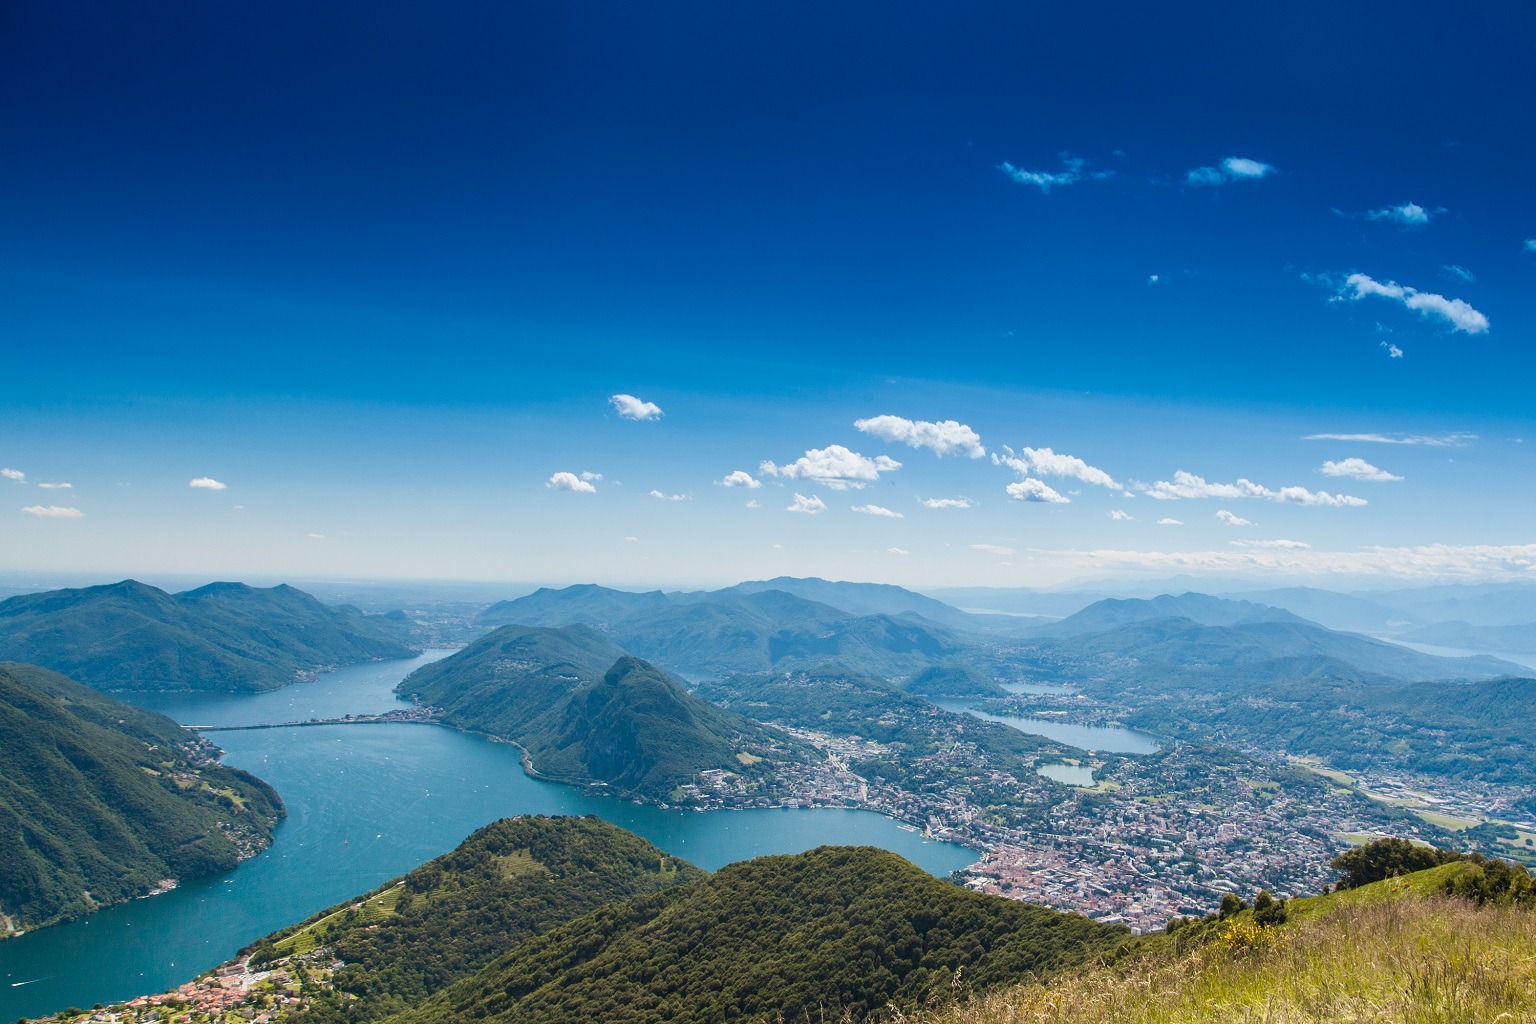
(379, 269)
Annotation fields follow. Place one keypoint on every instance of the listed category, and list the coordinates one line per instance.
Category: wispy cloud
(1425, 562)
(14, 474)
(1045, 462)
(1459, 273)
(1393, 352)
(1359, 469)
(1460, 439)
(315, 536)
(876, 510)
(53, 512)
(898, 551)
(669, 497)
(1460, 315)
(945, 437)
(753, 503)
(810, 506)
(1233, 168)
(1166, 521)
(945, 502)
(1120, 516)
(1232, 520)
(1186, 485)
(1273, 545)
(631, 408)
(564, 481)
(1033, 489)
(1530, 245)
(207, 483)
(591, 477)
(740, 478)
(993, 549)
(56, 487)
(1073, 170)
(833, 466)
(1408, 214)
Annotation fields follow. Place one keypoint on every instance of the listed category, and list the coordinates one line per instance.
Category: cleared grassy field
(1385, 954)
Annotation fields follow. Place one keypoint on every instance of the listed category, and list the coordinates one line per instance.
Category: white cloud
(1188, 485)
(631, 408)
(53, 512)
(1232, 520)
(207, 483)
(945, 437)
(833, 466)
(1233, 168)
(563, 481)
(740, 478)
(810, 506)
(56, 487)
(1120, 516)
(945, 502)
(1031, 489)
(1357, 468)
(591, 478)
(1460, 273)
(631, 538)
(898, 551)
(1071, 173)
(1273, 545)
(993, 549)
(669, 497)
(1460, 439)
(1458, 314)
(1153, 278)
(1170, 522)
(876, 510)
(752, 503)
(1424, 562)
(1411, 214)
(1393, 352)
(1530, 245)
(14, 474)
(315, 536)
(1045, 462)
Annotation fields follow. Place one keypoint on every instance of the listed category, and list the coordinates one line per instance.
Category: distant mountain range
(99, 801)
(724, 632)
(586, 712)
(221, 637)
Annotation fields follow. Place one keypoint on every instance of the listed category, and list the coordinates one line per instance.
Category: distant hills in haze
(221, 637)
(99, 801)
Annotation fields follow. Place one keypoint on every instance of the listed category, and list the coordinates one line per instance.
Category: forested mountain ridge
(509, 881)
(586, 712)
(837, 930)
(99, 801)
(221, 637)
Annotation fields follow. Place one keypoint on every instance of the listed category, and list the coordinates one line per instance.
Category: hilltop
(586, 712)
(100, 801)
(224, 637)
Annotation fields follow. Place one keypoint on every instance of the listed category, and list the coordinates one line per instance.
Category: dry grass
(1402, 960)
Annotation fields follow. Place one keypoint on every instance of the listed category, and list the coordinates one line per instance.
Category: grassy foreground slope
(838, 930)
(224, 637)
(510, 880)
(99, 801)
(1399, 951)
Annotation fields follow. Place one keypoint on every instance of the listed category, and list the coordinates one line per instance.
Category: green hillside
(1417, 949)
(838, 930)
(99, 801)
(225, 636)
(586, 712)
(509, 881)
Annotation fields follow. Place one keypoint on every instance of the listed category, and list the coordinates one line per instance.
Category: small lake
(367, 803)
(1068, 774)
(1108, 738)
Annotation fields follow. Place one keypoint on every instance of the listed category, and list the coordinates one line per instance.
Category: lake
(367, 803)
(1068, 774)
(1108, 738)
